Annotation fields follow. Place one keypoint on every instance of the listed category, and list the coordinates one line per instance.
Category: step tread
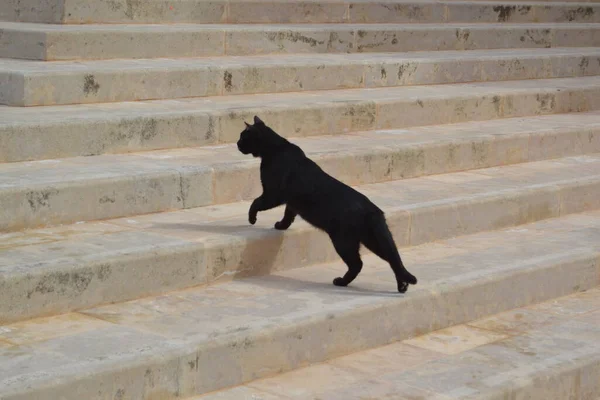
(500, 354)
(73, 266)
(37, 68)
(156, 108)
(148, 28)
(184, 325)
(72, 171)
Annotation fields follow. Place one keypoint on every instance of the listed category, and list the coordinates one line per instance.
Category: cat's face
(250, 139)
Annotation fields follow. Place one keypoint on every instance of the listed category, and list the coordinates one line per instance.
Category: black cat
(350, 218)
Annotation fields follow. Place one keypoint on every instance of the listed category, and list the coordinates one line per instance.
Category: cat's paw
(252, 218)
(402, 287)
(339, 281)
(281, 226)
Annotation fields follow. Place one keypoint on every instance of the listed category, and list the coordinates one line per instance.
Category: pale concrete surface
(66, 268)
(297, 11)
(92, 129)
(49, 192)
(69, 42)
(167, 345)
(35, 83)
(554, 360)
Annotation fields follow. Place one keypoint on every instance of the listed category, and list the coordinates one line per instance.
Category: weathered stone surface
(48, 272)
(46, 193)
(164, 345)
(87, 42)
(495, 211)
(297, 11)
(33, 83)
(67, 131)
(539, 362)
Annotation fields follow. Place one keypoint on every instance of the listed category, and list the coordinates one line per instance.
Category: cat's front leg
(262, 203)
(288, 218)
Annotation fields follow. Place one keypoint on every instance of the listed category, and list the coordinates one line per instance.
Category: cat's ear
(258, 121)
(247, 124)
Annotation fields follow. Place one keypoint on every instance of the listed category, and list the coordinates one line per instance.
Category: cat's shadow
(260, 256)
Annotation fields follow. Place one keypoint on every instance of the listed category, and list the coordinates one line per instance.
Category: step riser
(195, 372)
(179, 186)
(91, 85)
(146, 129)
(215, 12)
(198, 42)
(76, 285)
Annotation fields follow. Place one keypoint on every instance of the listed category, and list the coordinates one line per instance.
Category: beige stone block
(51, 203)
(571, 66)
(295, 40)
(585, 99)
(521, 367)
(240, 393)
(566, 13)
(46, 11)
(111, 86)
(142, 42)
(548, 145)
(63, 276)
(44, 329)
(436, 111)
(572, 306)
(388, 12)
(359, 167)
(456, 339)
(520, 67)
(516, 321)
(297, 12)
(13, 85)
(405, 39)
(150, 12)
(381, 360)
(43, 140)
(30, 45)
(481, 213)
(154, 378)
(582, 34)
(291, 78)
(12, 240)
(236, 182)
(580, 196)
(470, 13)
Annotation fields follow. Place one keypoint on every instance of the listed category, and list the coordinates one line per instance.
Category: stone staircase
(128, 269)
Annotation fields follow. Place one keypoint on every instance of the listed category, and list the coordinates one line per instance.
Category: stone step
(50, 271)
(53, 192)
(69, 42)
(38, 83)
(54, 132)
(208, 338)
(297, 11)
(548, 351)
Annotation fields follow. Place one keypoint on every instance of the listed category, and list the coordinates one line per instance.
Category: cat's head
(258, 139)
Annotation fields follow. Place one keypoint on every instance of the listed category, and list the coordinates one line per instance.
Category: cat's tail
(381, 242)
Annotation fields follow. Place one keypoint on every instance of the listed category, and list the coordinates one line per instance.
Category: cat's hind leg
(379, 240)
(347, 246)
